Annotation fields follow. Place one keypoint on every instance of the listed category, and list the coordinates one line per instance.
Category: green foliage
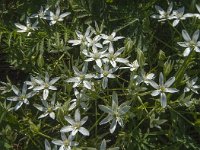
(146, 125)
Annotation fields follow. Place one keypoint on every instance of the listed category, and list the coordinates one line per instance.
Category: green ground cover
(99, 74)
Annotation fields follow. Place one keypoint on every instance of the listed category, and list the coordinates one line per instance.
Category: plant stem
(188, 121)
(180, 73)
(44, 135)
(140, 100)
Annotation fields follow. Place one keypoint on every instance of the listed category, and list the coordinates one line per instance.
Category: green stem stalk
(180, 73)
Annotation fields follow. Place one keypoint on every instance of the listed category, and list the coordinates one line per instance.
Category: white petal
(87, 84)
(98, 62)
(155, 93)
(45, 94)
(73, 133)
(65, 14)
(175, 22)
(43, 115)
(169, 9)
(195, 36)
(103, 145)
(15, 90)
(122, 60)
(84, 131)
(154, 84)
(161, 79)
(186, 52)
(98, 45)
(75, 42)
(106, 120)
(13, 98)
(182, 44)
(39, 81)
(52, 22)
(39, 107)
(186, 36)
(77, 115)
(113, 126)
(113, 63)
(57, 142)
(73, 79)
(114, 99)
(54, 80)
(105, 109)
(171, 90)
(19, 104)
(71, 121)
(186, 89)
(72, 106)
(47, 145)
(163, 100)
(150, 76)
(66, 129)
(20, 26)
(159, 10)
(58, 11)
(197, 49)
(52, 88)
(84, 120)
(38, 88)
(104, 82)
(198, 7)
(52, 115)
(118, 38)
(169, 82)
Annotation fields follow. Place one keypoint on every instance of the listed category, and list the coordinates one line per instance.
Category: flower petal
(171, 90)
(70, 120)
(65, 14)
(186, 52)
(186, 36)
(154, 84)
(104, 82)
(66, 129)
(54, 80)
(169, 82)
(106, 109)
(195, 36)
(84, 131)
(84, 120)
(155, 93)
(106, 120)
(113, 126)
(19, 104)
(163, 100)
(45, 94)
(77, 115)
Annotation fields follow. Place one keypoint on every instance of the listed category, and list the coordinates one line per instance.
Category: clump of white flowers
(42, 14)
(100, 64)
(175, 15)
